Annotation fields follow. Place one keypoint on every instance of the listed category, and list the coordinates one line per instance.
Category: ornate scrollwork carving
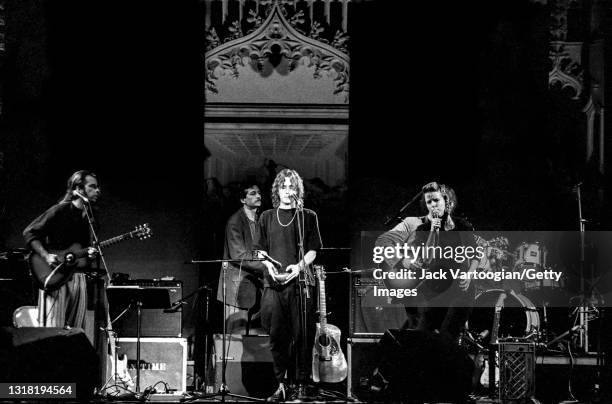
(558, 20)
(278, 37)
(212, 39)
(565, 71)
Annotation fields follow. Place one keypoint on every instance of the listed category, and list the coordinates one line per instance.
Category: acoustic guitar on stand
(328, 362)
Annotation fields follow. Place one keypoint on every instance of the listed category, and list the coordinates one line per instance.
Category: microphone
(434, 215)
(298, 201)
(80, 195)
(272, 260)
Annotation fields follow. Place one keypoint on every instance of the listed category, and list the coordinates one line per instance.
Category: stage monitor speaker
(249, 365)
(47, 355)
(154, 322)
(372, 315)
(421, 366)
(161, 360)
(362, 360)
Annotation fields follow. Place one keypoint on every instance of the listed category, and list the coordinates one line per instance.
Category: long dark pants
(280, 317)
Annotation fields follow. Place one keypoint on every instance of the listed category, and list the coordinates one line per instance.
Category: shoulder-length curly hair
(296, 181)
(450, 198)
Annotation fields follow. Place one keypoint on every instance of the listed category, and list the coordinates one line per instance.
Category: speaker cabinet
(372, 315)
(47, 355)
(154, 322)
(161, 359)
(249, 369)
(362, 360)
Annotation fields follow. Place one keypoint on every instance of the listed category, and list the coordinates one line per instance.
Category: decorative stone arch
(277, 63)
(278, 92)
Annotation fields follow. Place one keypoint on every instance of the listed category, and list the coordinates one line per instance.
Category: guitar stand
(305, 388)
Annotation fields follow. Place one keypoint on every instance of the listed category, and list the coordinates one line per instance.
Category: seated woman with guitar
(62, 226)
(442, 305)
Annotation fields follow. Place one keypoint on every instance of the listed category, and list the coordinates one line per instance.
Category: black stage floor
(187, 399)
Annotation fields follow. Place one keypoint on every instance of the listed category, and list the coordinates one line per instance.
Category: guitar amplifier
(372, 315)
(154, 322)
(161, 360)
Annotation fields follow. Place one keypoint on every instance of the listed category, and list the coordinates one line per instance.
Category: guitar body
(406, 283)
(491, 368)
(431, 287)
(486, 373)
(328, 362)
(48, 278)
(73, 259)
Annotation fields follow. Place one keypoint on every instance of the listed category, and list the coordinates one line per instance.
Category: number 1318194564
(37, 390)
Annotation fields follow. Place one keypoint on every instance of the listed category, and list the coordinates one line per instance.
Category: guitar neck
(495, 330)
(498, 308)
(322, 306)
(115, 240)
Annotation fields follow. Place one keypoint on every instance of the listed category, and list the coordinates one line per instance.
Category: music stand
(223, 389)
(130, 296)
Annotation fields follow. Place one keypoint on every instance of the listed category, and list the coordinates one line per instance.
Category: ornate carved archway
(279, 91)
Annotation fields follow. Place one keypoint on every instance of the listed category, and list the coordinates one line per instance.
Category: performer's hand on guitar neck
(92, 253)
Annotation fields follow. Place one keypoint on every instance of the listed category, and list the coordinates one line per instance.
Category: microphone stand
(585, 301)
(304, 296)
(96, 241)
(108, 325)
(176, 305)
(399, 215)
(224, 391)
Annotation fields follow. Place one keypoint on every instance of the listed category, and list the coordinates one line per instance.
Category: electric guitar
(73, 259)
(487, 373)
(328, 362)
(122, 373)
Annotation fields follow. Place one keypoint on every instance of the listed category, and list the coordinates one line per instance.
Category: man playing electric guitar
(60, 227)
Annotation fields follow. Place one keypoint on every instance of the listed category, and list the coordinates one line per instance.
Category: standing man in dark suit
(242, 280)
